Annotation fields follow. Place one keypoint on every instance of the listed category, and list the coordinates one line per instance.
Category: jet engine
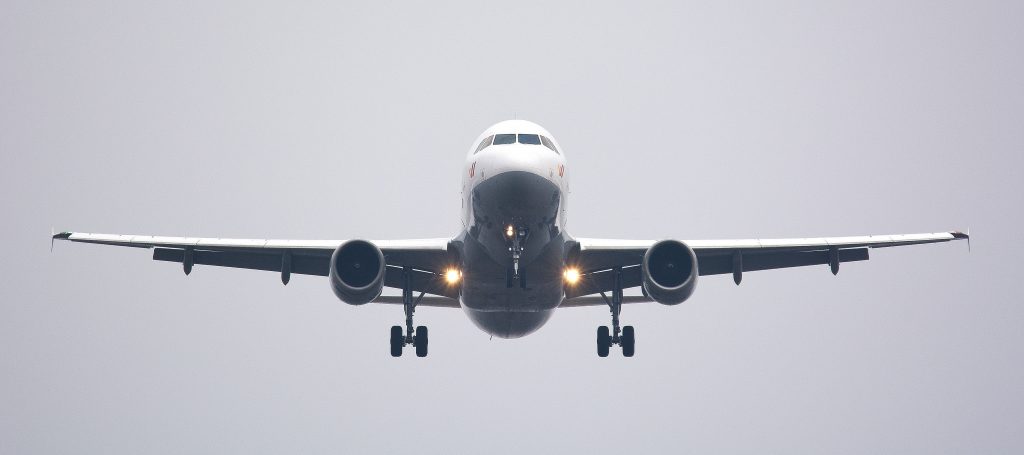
(357, 272)
(669, 272)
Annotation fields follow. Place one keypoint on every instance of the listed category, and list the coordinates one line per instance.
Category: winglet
(960, 235)
(61, 236)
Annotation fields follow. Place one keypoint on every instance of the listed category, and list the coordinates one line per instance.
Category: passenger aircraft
(513, 263)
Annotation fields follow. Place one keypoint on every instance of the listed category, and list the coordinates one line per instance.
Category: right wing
(427, 257)
(597, 257)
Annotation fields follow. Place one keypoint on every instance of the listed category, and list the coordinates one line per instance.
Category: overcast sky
(352, 119)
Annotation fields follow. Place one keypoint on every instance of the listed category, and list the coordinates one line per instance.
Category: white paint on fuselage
(498, 159)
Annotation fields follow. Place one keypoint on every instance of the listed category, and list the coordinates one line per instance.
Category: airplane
(513, 263)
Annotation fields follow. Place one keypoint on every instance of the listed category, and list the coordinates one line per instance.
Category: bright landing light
(572, 275)
(452, 276)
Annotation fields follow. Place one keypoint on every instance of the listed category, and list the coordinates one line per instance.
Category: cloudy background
(351, 120)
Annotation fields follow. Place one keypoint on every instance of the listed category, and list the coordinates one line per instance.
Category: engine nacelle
(669, 272)
(357, 272)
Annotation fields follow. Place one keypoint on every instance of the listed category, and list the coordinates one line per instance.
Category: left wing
(598, 256)
(427, 257)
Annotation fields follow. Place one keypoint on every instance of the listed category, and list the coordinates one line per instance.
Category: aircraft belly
(501, 308)
(511, 312)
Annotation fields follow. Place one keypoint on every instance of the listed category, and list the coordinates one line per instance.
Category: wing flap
(301, 264)
(720, 264)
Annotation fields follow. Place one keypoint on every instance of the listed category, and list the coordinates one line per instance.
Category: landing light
(452, 275)
(510, 231)
(572, 275)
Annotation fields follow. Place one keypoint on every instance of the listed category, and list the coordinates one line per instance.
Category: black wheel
(628, 341)
(604, 341)
(508, 277)
(421, 341)
(397, 341)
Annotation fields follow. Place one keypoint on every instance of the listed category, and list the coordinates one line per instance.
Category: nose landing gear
(625, 336)
(516, 240)
(417, 338)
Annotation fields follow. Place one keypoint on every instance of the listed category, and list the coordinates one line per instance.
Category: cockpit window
(483, 144)
(547, 143)
(531, 139)
(504, 139)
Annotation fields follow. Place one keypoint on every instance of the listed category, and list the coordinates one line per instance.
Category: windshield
(503, 139)
(531, 139)
(547, 143)
(483, 144)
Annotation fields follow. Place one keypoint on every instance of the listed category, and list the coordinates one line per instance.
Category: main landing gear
(417, 338)
(626, 336)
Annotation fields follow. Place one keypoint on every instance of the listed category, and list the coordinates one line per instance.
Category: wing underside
(599, 257)
(426, 257)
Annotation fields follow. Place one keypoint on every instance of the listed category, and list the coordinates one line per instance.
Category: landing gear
(515, 238)
(417, 338)
(625, 336)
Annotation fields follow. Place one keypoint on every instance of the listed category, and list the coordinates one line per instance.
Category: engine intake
(357, 272)
(669, 272)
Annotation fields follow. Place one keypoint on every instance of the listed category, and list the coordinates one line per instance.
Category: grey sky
(342, 120)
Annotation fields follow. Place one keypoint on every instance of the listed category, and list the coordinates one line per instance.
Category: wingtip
(962, 236)
(61, 235)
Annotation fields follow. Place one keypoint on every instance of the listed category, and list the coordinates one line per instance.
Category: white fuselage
(514, 193)
(497, 159)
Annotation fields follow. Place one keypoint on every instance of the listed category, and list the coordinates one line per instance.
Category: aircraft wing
(427, 257)
(597, 257)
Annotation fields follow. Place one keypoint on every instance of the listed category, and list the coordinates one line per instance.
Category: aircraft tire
(397, 341)
(628, 341)
(421, 341)
(604, 341)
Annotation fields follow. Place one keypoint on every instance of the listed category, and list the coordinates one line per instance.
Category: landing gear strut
(624, 336)
(516, 240)
(417, 338)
